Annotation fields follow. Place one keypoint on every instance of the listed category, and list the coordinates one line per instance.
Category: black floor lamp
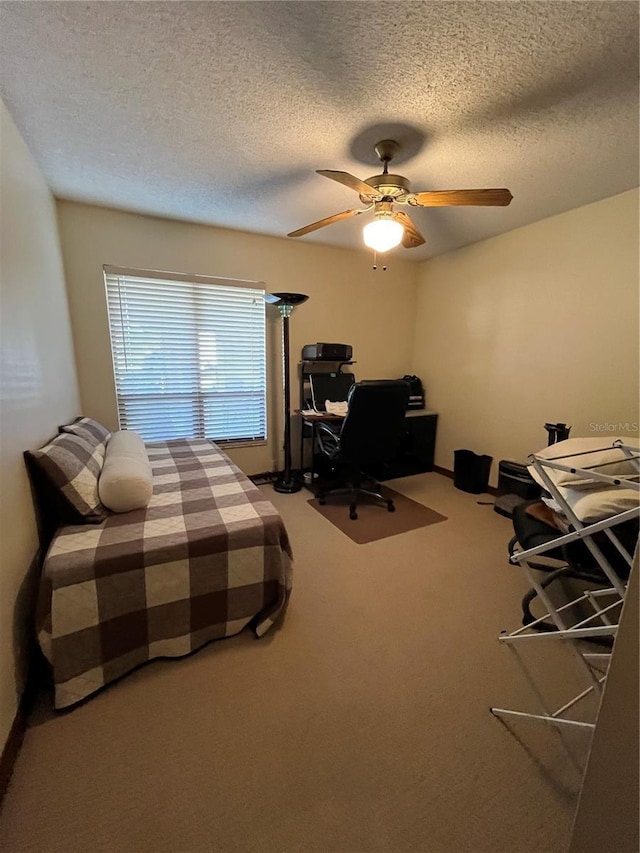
(285, 303)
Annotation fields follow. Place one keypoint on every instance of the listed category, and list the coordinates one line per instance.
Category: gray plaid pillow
(73, 466)
(91, 431)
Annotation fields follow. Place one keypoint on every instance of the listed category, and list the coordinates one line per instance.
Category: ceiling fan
(382, 192)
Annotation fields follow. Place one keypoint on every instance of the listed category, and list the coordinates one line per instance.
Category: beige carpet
(360, 726)
(374, 521)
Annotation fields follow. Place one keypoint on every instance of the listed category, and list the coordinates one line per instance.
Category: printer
(327, 352)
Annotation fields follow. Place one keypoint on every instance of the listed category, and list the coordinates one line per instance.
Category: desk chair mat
(374, 522)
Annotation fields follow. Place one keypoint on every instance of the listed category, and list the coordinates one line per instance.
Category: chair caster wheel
(391, 507)
(352, 513)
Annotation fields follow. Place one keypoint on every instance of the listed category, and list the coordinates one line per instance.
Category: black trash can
(471, 471)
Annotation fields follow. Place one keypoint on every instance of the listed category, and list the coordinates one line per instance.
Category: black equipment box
(327, 352)
(416, 392)
(515, 479)
(515, 486)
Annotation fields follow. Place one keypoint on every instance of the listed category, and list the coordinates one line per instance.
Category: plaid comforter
(207, 556)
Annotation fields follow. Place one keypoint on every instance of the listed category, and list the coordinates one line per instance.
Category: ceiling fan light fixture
(383, 234)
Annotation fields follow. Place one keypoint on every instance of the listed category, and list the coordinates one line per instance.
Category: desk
(415, 455)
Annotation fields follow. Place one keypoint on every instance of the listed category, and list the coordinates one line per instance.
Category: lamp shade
(285, 298)
(383, 234)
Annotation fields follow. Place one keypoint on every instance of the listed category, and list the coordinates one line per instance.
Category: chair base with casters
(355, 491)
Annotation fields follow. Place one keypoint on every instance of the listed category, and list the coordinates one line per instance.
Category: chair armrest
(328, 437)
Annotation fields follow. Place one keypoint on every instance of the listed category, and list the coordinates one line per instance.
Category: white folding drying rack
(605, 603)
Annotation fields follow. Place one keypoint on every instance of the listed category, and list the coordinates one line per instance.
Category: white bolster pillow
(126, 480)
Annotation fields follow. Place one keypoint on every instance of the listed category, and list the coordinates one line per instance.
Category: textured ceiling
(220, 112)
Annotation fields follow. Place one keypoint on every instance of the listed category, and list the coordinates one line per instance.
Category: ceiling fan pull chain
(375, 262)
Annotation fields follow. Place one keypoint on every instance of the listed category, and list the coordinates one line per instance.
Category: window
(188, 355)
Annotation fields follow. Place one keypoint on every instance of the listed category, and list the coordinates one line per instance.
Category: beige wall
(38, 389)
(348, 301)
(540, 324)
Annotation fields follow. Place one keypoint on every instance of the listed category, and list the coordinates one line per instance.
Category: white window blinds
(188, 356)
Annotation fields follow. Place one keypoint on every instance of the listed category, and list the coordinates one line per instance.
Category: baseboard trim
(491, 490)
(32, 670)
(444, 471)
(14, 742)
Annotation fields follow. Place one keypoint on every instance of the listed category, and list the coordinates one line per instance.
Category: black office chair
(369, 435)
(579, 564)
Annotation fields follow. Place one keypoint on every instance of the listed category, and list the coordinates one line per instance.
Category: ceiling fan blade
(412, 237)
(328, 221)
(350, 181)
(443, 198)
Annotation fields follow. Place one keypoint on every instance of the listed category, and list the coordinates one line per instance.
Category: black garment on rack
(531, 531)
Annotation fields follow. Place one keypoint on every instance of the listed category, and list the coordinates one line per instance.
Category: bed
(208, 556)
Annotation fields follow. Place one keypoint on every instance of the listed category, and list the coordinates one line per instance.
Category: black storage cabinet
(471, 471)
(416, 449)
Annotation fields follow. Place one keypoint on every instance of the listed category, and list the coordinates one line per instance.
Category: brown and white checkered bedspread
(207, 556)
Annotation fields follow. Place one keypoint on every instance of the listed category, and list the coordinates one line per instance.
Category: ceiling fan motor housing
(389, 186)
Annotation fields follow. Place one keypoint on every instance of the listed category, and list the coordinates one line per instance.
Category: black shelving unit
(308, 368)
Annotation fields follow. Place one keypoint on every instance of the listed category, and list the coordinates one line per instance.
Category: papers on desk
(314, 414)
(336, 408)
